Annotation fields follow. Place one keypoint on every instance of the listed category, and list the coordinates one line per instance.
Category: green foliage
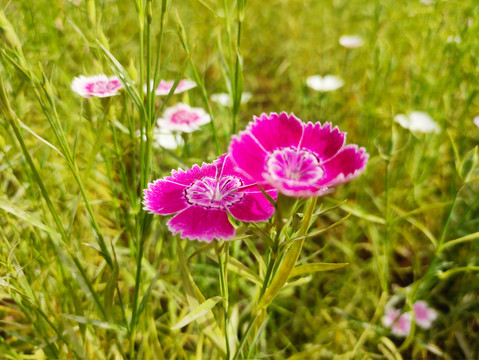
(85, 273)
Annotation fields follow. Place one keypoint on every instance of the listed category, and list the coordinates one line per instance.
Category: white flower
(426, 2)
(167, 140)
(351, 41)
(454, 38)
(476, 121)
(417, 121)
(96, 86)
(181, 117)
(327, 83)
(225, 100)
(164, 139)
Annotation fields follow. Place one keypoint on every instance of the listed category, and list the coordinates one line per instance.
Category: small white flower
(351, 41)
(225, 100)
(164, 139)
(417, 121)
(476, 121)
(327, 83)
(181, 117)
(167, 140)
(454, 38)
(426, 2)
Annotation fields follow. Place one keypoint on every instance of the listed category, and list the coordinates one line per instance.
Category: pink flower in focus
(96, 86)
(182, 117)
(202, 197)
(400, 324)
(299, 160)
(164, 87)
(423, 314)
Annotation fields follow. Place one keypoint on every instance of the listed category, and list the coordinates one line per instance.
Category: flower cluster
(278, 152)
(400, 324)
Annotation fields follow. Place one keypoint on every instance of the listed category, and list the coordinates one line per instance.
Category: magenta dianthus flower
(202, 197)
(298, 159)
(96, 86)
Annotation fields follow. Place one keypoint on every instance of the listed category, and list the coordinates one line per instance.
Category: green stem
(223, 251)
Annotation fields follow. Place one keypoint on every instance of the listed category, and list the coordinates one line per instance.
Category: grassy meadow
(86, 273)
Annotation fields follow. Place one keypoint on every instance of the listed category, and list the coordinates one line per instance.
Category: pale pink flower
(423, 314)
(400, 324)
(96, 86)
(181, 117)
(476, 121)
(165, 86)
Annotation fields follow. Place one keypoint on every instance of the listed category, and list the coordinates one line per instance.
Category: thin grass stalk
(222, 252)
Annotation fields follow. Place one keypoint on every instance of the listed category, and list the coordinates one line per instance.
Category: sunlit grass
(413, 228)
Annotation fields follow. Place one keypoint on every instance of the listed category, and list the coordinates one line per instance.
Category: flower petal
(189, 176)
(248, 155)
(323, 141)
(275, 131)
(348, 164)
(253, 207)
(203, 224)
(164, 197)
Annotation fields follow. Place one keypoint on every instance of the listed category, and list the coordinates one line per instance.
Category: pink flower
(423, 314)
(400, 324)
(182, 117)
(96, 86)
(164, 87)
(202, 197)
(299, 160)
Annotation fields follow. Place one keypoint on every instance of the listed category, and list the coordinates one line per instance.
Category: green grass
(72, 229)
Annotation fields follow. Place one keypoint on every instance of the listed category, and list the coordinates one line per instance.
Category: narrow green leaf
(198, 312)
(239, 268)
(360, 213)
(461, 240)
(24, 126)
(315, 267)
(13, 209)
(94, 322)
(111, 285)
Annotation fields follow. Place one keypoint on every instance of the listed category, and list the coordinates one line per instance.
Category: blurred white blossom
(351, 41)
(326, 83)
(417, 121)
(224, 99)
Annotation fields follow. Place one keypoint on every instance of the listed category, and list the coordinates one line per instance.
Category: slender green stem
(223, 267)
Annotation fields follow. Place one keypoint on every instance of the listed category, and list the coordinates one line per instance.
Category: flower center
(184, 117)
(298, 167)
(213, 194)
(102, 87)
